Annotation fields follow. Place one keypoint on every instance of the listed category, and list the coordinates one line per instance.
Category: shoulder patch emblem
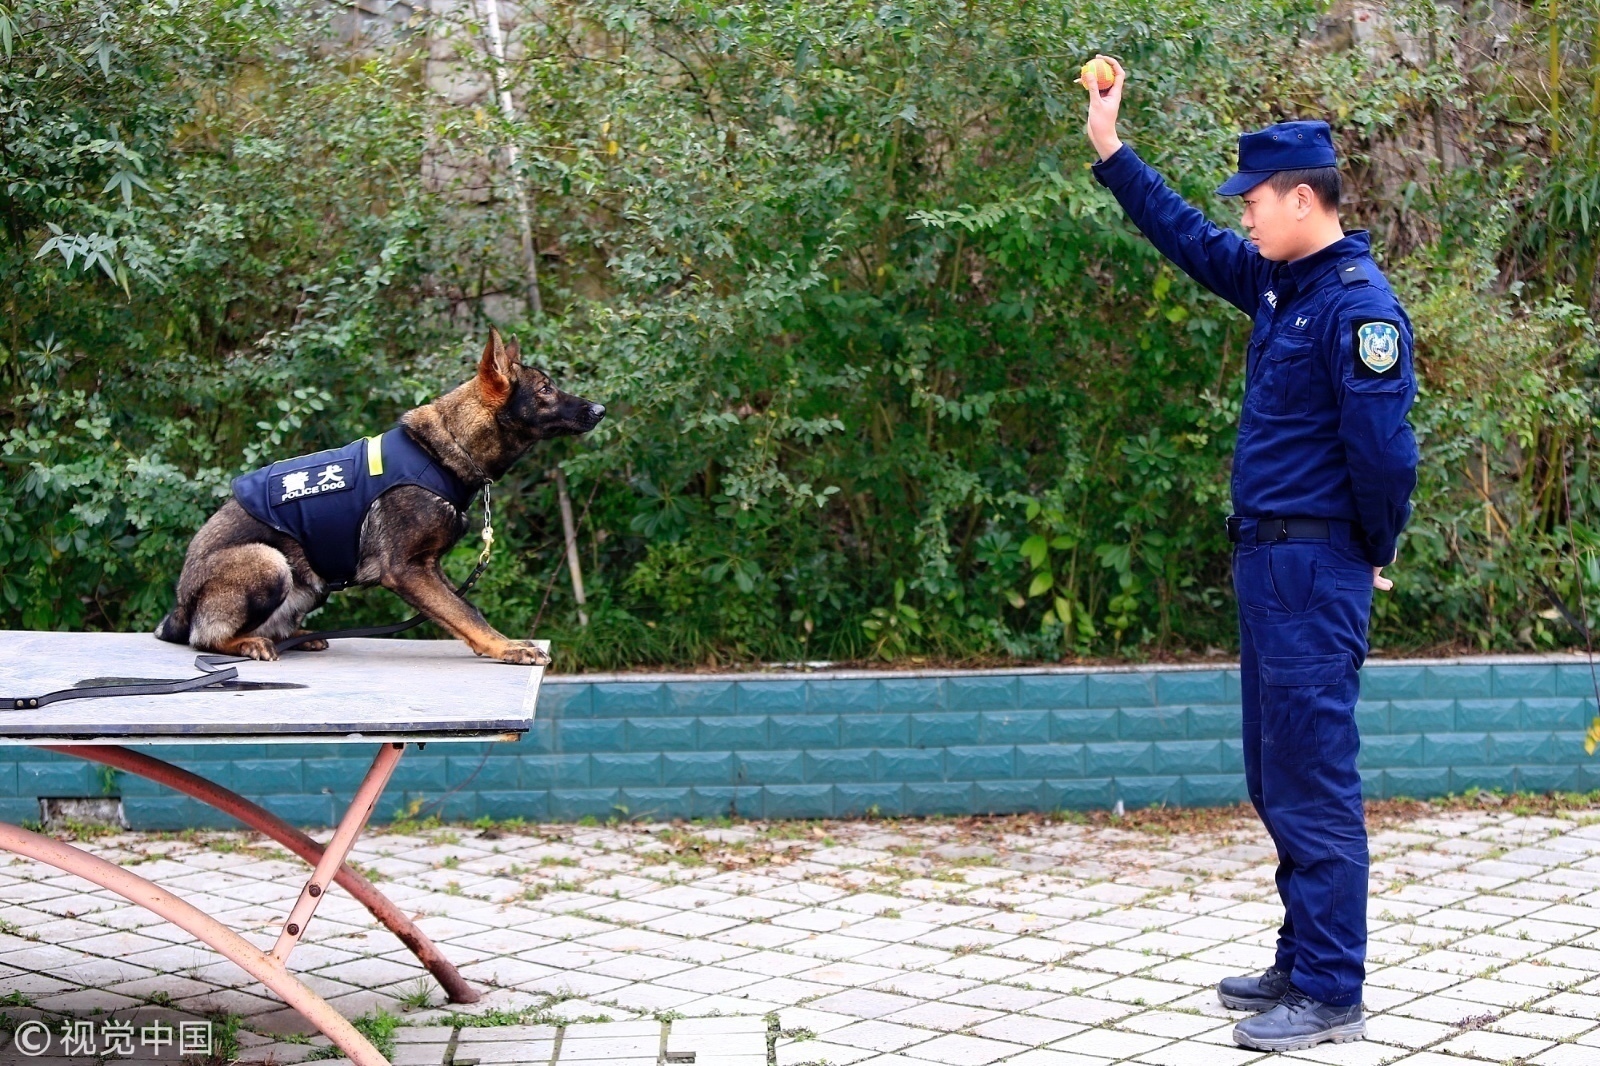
(1377, 344)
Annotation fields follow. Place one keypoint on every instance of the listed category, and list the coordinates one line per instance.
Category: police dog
(246, 585)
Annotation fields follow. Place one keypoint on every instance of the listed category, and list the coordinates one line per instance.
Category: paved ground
(1023, 941)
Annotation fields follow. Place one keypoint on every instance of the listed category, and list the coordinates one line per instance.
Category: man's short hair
(1325, 184)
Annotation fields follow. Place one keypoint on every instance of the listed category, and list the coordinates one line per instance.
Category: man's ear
(1305, 201)
(494, 370)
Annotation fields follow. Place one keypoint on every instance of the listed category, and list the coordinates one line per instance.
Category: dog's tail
(173, 629)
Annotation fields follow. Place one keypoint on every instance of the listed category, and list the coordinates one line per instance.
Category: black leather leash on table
(217, 671)
(213, 672)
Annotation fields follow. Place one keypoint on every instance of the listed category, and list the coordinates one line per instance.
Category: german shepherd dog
(245, 585)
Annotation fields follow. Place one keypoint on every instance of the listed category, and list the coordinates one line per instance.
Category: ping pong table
(390, 693)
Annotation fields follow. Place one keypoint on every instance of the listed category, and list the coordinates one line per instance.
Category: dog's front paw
(525, 655)
(310, 645)
(256, 648)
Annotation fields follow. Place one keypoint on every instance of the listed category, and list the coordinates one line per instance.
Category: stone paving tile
(880, 1035)
(1167, 1023)
(1110, 1043)
(864, 1003)
(960, 1050)
(1082, 1009)
(943, 1016)
(924, 985)
(1550, 1026)
(1572, 1004)
(1045, 1057)
(823, 1051)
(1020, 942)
(1412, 1033)
(1496, 1047)
(1139, 990)
(1026, 1030)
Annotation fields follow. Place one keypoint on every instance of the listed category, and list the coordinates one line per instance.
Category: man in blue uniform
(1322, 476)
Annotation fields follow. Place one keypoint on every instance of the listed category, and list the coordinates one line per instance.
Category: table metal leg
(259, 818)
(186, 916)
(350, 826)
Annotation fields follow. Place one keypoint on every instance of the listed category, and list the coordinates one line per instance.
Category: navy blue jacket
(321, 499)
(1328, 380)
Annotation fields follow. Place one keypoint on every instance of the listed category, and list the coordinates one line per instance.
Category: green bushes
(889, 375)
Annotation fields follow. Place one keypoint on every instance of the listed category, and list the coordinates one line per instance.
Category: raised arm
(1217, 258)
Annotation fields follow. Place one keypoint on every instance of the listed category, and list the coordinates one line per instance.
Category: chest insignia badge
(1272, 299)
(1380, 346)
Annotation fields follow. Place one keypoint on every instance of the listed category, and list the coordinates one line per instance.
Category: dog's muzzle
(597, 411)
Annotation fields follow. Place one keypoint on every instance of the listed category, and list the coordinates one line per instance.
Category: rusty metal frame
(328, 866)
(259, 818)
(338, 846)
(191, 919)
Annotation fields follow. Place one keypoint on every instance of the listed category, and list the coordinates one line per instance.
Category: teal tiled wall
(824, 746)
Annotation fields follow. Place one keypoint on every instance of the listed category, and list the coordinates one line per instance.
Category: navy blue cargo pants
(1303, 607)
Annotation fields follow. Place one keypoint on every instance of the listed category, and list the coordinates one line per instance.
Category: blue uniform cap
(1286, 146)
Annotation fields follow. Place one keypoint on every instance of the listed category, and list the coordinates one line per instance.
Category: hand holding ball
(1097, 74)
(1103, 77)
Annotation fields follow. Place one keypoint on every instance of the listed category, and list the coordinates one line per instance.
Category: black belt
(1275, 529)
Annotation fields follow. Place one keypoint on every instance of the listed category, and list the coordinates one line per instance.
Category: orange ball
(1097, 74)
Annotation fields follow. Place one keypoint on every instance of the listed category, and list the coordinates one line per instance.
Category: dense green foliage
(889, 374)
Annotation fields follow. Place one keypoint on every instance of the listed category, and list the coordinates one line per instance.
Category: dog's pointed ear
(514, 349)
(494, 370)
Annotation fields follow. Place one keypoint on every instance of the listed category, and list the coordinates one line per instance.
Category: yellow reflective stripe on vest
(374, 456)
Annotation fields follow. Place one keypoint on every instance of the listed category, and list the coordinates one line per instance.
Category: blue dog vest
(321, 499)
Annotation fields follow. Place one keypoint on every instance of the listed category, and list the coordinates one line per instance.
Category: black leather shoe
(1298, 1021)
(1260, 992)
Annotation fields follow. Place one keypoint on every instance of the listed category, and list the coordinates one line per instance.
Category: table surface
(359, 689)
